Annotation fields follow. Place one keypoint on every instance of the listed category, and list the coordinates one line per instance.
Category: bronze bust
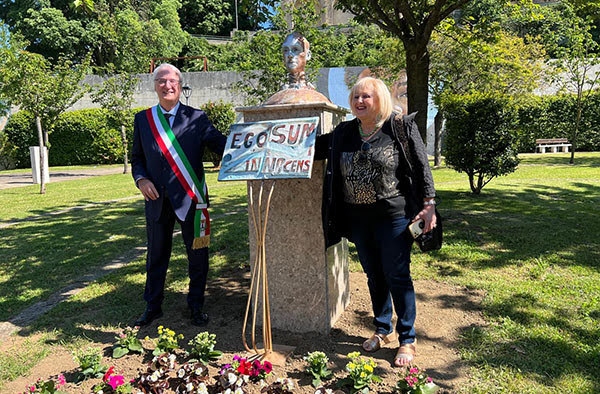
(296, 52)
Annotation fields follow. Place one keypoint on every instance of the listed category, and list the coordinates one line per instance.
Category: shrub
(20, 131)
(222, 116)
(7, 153)
(481, 137)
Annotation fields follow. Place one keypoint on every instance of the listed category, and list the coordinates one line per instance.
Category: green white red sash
(182, 168)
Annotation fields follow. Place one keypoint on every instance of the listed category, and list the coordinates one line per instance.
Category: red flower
(244, 367)
(108, 373)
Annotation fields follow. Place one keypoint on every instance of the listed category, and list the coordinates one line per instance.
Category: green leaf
(316, 382)
(119, 352)
(136, 346)
(215, 354)
(376, 379)
(430, 388)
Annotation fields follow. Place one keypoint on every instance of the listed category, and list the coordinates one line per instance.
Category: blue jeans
(384, 247)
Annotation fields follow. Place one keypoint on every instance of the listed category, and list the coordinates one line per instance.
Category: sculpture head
(296, 52)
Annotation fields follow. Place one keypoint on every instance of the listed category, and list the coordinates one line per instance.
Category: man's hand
(428, 215)
(147, 188)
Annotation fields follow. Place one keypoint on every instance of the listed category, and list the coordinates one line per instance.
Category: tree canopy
(413, 22)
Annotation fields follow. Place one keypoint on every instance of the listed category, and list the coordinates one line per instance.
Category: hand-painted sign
(272, 149)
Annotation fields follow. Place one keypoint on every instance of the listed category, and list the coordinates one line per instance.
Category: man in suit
(168, 144)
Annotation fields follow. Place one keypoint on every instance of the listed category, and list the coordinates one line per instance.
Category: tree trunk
(417, 75)
(38, 123)
(576, 131)
(437, 148)
(124, 140)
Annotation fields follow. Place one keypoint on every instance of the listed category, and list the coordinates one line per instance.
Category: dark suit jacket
(194, 132)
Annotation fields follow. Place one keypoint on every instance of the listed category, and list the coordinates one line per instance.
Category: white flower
(100, 392)
(264, 384)
(198, 371)
(228, 391)
(189, 387)
(154, 377)
(231, 378)
(181, 373)
(202, 389)
(172, 357)
(239, 391)
(246, 378)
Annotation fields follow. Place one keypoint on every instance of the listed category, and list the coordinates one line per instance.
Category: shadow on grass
(541, 242)
(40, 257)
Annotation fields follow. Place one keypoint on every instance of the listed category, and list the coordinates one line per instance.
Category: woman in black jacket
(378, 181)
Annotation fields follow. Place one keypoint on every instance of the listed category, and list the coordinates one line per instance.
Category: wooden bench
(552, 145)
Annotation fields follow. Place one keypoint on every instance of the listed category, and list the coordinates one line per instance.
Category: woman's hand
(428, 216)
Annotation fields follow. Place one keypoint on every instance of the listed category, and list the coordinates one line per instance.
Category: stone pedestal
(308, 285)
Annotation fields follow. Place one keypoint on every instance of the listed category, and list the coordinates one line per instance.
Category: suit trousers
(160, 243)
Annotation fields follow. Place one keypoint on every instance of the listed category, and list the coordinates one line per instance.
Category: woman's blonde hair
(384, 98)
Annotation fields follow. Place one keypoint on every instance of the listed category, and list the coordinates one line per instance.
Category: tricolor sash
(195, 188)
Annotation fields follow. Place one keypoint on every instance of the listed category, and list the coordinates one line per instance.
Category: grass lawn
(530, 241)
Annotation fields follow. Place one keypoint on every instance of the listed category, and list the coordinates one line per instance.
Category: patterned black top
(369, 172)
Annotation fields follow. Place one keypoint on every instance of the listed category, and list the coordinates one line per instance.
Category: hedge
(554, 117)
(88, 136)
(548, 117)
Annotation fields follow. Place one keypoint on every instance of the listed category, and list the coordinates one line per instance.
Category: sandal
(405, 354)
(376, 341)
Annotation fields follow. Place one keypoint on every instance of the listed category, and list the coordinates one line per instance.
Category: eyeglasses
(364, 148)
(163, 81)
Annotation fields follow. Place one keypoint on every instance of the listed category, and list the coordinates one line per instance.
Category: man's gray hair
(162, 67)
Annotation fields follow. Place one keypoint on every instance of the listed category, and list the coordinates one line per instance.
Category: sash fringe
(201, 242)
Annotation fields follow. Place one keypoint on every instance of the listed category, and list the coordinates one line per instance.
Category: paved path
(25, 178)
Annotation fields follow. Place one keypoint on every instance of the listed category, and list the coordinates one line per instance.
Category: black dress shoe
(199, 318)
(148, 317)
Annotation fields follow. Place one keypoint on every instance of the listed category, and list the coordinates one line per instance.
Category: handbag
(432, 240)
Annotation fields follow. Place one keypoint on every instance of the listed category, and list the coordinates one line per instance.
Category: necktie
(168, 118)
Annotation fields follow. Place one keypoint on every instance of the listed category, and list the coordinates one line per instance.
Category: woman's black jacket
(414, 173)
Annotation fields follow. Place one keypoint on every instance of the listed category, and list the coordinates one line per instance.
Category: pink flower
(408, 379)
(410, 383)
(115, 381)
(267, 367)
(415, 380)
(32, 388)
(429, 380)
(413, 370)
